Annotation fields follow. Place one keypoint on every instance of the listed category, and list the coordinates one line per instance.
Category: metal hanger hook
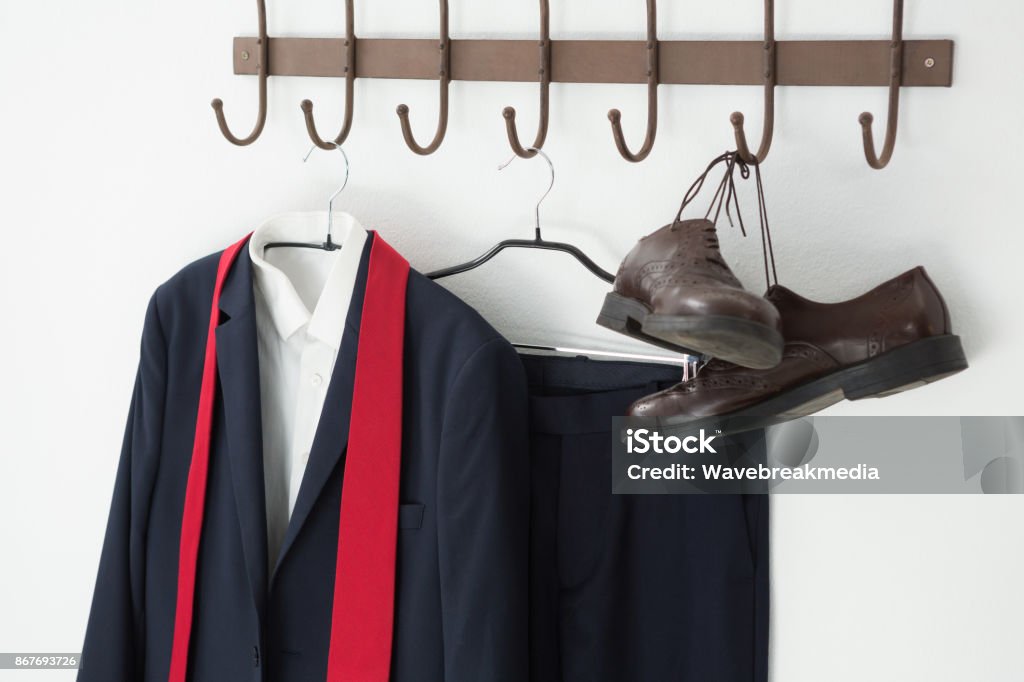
(544, 72)
(615, 116)
(877, 160)
(444, 73)
(350, 81)
(262, 61)
(551, 166)
(770, 80)
(330, 202)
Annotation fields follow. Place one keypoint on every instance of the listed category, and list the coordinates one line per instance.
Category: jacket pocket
(410, 516)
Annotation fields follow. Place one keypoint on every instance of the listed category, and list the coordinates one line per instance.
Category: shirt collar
(288, 312)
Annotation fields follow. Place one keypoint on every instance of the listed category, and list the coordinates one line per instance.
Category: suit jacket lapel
(239, 374)
(331, 437)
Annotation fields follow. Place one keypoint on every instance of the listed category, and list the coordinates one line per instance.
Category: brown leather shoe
(891, 339)
(675, 290)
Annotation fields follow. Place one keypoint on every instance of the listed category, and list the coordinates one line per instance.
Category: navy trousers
(633, 588)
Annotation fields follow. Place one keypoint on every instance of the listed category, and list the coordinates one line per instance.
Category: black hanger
(538, 242)
(327, 244)
(688, 362)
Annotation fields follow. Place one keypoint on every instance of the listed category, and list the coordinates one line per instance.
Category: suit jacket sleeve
(113, 638)
(483, 519)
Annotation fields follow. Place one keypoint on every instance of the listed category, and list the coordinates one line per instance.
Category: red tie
(364, 576)
(364, 585)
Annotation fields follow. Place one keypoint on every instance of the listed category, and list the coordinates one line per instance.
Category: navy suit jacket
(461, 575)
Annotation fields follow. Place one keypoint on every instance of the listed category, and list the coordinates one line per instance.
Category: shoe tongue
(695, 224)
(777, 292)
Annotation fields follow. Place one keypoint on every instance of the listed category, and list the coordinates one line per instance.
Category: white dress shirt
(297, 348)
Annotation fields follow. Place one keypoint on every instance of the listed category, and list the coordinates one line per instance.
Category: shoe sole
(902, 369)
(736, 340)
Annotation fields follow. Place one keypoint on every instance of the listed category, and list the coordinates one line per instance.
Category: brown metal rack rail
(893, 63)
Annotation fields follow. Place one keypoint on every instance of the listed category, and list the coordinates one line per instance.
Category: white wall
(113, 175)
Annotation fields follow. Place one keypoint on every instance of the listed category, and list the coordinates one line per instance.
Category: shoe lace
(726, 196)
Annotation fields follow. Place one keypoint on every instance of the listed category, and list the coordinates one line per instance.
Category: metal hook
(545, 81)
(551, 166)
(880, 161)
(330, 202)
(350, 81)
(445, 78)
(261, 116)
(615, 116)
(768, 127)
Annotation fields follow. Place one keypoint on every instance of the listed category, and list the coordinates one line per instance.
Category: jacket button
(256, 657)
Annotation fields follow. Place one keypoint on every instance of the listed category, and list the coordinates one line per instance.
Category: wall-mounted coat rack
(895, 63)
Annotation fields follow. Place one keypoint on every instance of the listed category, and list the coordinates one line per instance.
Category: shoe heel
(626, 316)
(623, 315)
(907, 367)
